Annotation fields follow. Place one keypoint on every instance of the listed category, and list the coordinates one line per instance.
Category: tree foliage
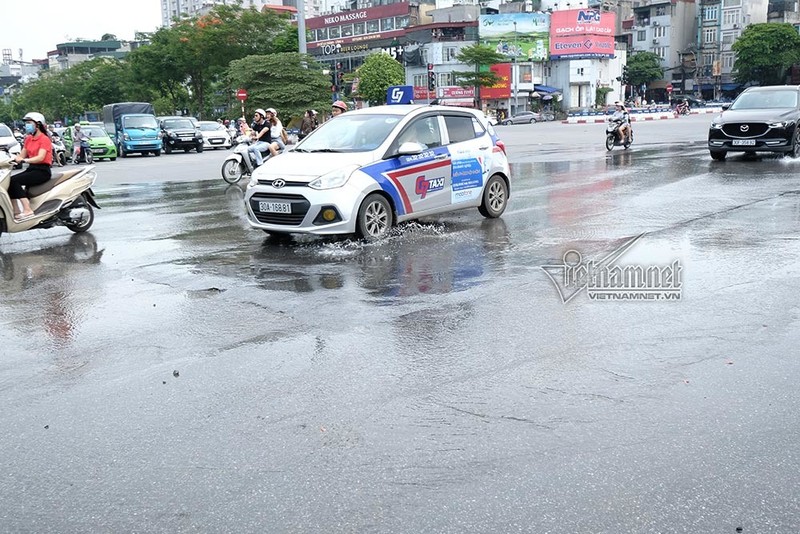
(480, 57)
(378, 72)
(765, 52)
(290, 82)
(643, 68)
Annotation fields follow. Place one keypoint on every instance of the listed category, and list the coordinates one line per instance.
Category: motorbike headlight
(333, 179)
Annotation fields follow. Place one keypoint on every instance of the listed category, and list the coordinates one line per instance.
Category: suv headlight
(333, 179)
(779, 124)
(716, 125)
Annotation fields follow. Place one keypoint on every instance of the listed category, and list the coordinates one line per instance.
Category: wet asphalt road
(175, 371)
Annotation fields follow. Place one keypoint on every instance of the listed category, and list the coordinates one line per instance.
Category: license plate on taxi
(744, 142)
(274, 207)
(97, 151)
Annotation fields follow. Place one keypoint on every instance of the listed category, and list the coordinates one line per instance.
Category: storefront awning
(545, 89)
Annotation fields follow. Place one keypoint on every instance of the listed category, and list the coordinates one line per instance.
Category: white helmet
(261, 112)
(35, 117)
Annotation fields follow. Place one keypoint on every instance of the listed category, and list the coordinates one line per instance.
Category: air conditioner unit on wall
(655, 23)
(655, 41)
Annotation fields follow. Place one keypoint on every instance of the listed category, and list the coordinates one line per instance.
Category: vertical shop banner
(503, 88)
(524, 36)
(582, 33)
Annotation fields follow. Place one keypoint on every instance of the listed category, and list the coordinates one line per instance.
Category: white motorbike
(65, 200)
(239, 164)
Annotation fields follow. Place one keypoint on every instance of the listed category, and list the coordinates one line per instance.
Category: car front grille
(299, 204)
(745, 130)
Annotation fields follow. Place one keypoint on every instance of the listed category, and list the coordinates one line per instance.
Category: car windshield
(766, 100)
(351, 133)
(211, 126)
(94, 131)
(141, 122)
(178, 123)
(5, 131)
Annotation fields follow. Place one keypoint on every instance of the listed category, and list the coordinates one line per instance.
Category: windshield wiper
(324, 150)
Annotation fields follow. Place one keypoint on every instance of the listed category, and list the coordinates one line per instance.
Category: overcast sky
(36, 26)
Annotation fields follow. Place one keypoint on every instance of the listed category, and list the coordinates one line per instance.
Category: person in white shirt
(276, 132)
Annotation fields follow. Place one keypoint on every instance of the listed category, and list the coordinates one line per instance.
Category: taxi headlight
(333, 179)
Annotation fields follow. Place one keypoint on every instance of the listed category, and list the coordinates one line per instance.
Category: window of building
(387, 24)
(660, 51)
(728, 60)
(373, 26)
(731, 16)
(322, 34)
(358, 28)
(731, 3)
(641, 35)
(333, 32)
(709, 35)
(445, 78)
(525, 74)
(710, 12)
(661, 11)
(401, 22)
(660, 31)
(449, 53)
(579, 71)
(347, 30)
(421, 80)
(729, 37)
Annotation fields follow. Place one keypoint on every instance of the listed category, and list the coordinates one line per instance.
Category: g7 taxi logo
(425, 186)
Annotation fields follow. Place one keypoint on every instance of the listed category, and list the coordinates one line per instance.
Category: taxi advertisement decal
(467, 180)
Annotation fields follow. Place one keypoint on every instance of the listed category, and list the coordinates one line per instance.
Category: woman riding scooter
(37, 152)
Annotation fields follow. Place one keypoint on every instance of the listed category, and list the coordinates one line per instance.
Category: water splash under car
(366, 170)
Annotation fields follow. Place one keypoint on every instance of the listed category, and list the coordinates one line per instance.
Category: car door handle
(484, 147)
(440, 156)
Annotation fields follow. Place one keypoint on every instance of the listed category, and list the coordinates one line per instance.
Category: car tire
(531, 121)
(495, 197)
(375, 217)
(718, 155)
(167, 149)
(156, 153)
(199, 148)
(795, 153)
(113, 159)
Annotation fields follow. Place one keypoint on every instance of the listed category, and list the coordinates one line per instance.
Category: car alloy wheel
(375, 217)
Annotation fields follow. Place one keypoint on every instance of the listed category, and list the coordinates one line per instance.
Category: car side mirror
(410, 148)
(725, 106)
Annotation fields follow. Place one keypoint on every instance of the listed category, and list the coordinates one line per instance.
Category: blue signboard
(400, 94)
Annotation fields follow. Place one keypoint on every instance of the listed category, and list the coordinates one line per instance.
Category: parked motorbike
(682, 109)
(614, 137)
(65, 200)
(59, 151)
(85, 154)
(239, 164)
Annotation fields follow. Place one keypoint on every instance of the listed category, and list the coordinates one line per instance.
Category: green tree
(378, 72)
(765, 52)
(643, 68)
(289, 82)
(480, 57)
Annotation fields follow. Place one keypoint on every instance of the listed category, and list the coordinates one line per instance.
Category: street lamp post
(516, 69)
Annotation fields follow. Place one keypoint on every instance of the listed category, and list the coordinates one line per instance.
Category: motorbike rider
(338, 107)
(37, 152)
(277, 133)
(683, 107)
(622, 116)
(55, 139)
(261, 136)
(77, 138)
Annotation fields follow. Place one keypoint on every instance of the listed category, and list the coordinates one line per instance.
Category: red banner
(581, 33)
(503, 88)
(421, 93)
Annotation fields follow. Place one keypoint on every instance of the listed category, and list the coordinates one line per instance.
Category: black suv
(761, 119)
(180, 133)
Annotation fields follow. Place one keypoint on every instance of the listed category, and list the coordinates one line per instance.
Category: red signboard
(581, 33)
(503, 87)
(669, 87)
(358, 15)
(421, 93)
(241, 94)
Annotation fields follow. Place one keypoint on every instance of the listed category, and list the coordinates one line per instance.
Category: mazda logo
(744, 127)
(277, 184)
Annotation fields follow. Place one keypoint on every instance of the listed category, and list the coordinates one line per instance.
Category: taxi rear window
(462, 128)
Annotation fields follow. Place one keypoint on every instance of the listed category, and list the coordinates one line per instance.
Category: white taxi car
(366, 170)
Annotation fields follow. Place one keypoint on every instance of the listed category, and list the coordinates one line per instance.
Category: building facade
(172, 10)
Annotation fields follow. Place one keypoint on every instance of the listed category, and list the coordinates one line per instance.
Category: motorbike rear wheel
(62, 158)
(610, 141)
(89, 157)
(83, 226)
(232, 171)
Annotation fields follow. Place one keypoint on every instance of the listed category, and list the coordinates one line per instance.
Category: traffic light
(430, 66)
(625, 75)
(431, 81)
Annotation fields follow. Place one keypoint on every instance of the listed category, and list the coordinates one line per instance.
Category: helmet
(272, 110)
(261, 112)
(35, 117)
(339, 104)
(618, 103)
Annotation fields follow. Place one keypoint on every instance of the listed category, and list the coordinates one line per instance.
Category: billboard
(581, 33)
(503, 87)
(524, 36)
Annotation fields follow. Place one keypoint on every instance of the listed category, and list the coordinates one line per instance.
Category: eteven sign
(581, 33)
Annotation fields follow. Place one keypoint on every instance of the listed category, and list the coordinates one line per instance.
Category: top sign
(241, 94)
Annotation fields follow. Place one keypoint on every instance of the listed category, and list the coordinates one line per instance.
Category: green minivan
(101, 144)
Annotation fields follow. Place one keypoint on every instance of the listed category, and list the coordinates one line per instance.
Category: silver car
(364, 171)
